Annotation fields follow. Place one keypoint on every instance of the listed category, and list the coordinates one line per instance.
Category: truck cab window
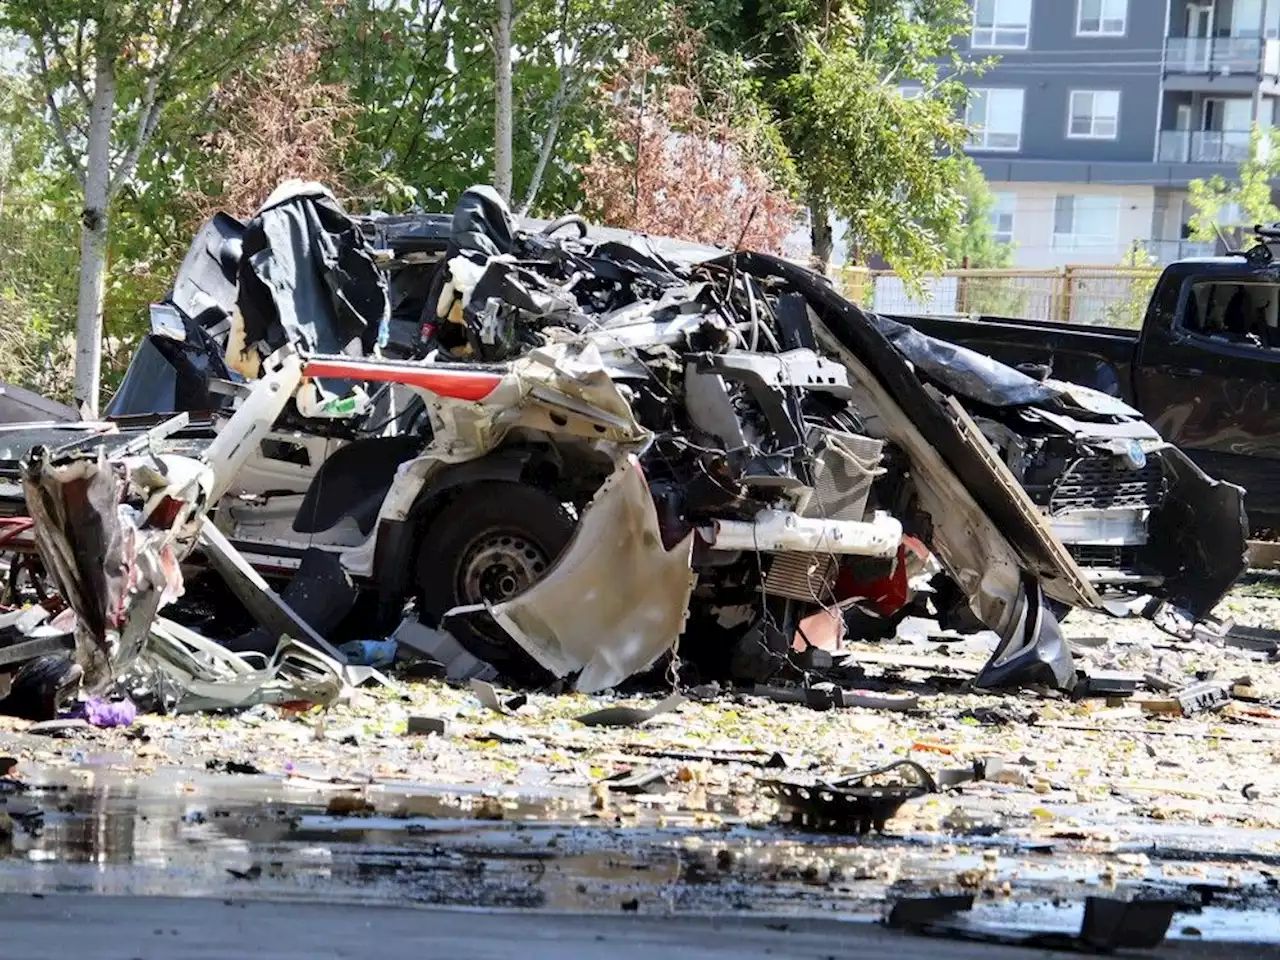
(1228, 311)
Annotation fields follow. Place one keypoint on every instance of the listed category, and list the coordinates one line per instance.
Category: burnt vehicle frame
(940, 426)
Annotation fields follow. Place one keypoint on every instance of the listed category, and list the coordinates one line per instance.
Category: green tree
(103, 74)
(434, 107)
(1250, 192)
(972, 244)
(830, 71)
(1139, 277)
(972, 239)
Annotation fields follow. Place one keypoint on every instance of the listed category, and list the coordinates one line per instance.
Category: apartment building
(1100, 112)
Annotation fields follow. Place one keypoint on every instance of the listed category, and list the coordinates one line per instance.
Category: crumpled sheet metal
(616, 599)
(562, 388)
(189, 673)
(112, 530)
(114, 571)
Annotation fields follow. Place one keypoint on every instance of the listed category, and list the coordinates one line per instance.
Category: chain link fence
(1104, 296)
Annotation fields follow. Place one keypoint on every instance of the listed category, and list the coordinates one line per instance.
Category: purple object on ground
(108, 713)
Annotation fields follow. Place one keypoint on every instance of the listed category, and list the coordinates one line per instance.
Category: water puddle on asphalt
(177, 833)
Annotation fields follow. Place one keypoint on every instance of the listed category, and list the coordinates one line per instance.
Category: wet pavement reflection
(255, 837)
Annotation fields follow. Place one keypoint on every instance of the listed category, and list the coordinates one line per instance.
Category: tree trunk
(93, 238)
(820, 233)
(503, 97)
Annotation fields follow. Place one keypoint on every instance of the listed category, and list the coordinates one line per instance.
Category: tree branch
(55, 116)
(152, 100)
(77, 75)
(559, 102)
(147, 122)
(428, 33)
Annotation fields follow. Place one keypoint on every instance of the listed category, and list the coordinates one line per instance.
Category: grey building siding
(1057, 61)
(1172, 175)
(1046, 110)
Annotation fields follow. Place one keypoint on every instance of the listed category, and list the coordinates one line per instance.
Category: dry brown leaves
(279, 122)
(690, 173)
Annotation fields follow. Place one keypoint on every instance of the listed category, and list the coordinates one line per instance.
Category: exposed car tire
(492, 541)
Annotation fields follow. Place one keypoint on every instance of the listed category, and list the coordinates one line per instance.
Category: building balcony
(1222, 56)
(1204, 146)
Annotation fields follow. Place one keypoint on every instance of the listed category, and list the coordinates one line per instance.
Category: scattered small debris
(629, 716)
(426, 726)
(985, 768)
(858, 803)
(487, 694)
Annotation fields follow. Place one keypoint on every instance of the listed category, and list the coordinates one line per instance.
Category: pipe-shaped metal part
(782, 531)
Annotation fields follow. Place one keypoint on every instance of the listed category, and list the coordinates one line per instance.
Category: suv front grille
(1101, 483)
(1101, 557)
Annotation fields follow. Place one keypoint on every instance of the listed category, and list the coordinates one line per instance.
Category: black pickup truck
(1204, 369)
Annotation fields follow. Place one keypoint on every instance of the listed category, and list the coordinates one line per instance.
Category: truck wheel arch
(399, 541)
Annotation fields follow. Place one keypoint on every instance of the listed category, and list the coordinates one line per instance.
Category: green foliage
(1130, 310)
(421, 75)
(142, 67)
(972, 239)
(1251, 191)
(971, 242)
(829, 72)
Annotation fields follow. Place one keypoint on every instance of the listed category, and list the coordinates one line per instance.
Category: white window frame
(1080, 241)
(978, 139)
(1010, 199)
(909, 91)
(1102, 31)
(1093, 117)
(997, 27)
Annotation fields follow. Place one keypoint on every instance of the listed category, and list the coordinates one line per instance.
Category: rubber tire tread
(521, 509)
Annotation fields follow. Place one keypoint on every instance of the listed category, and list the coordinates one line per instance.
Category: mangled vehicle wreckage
(593, 451)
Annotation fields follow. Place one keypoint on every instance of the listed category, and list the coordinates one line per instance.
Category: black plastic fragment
(1126, 925)
(915, 911)
(853, 804)
(634, 782)
(1107, 683)
(629, 716)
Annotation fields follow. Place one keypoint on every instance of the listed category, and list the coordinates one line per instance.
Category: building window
(1095, 114)
(1001, 24)
(1086, 222)
(910, 92)
(995, 119)
(1001, 215)
(1102, 18)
